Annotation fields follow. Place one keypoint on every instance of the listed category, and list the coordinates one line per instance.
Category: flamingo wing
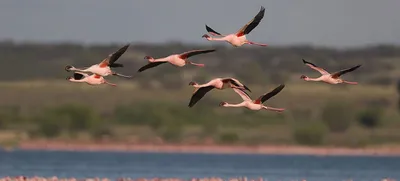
(270, 94)
(313, 66)
(236, 83)
(246, 29)
(199, 94)
(79, 75)
(150, 65)
(110, 60)
(242, 94)
(212, 32)
(339, 73)
(195, 52)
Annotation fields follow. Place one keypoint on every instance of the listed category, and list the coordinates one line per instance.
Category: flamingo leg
(110, 83)
(121, 75)
(197, 64)
(274, 109)
(254, 43)
(352, 83)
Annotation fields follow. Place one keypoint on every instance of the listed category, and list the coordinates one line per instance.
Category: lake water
(270, 167)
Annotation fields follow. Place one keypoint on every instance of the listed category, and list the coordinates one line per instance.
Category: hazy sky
(319, 22)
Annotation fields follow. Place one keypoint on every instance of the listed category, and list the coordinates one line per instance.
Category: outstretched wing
(194, 52)
(150, 65)
(236, 83)
(199, 94)
(338, 74)
(242, 94)
(246, 29)
(313, 66)
(212, 32)
(109, 61)
(268, 95)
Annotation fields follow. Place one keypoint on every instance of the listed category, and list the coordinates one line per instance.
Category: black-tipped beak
(68, 78)
(67, 68)
(245, 87)
(204, 36)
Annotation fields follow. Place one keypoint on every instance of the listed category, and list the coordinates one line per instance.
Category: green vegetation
(40, 103)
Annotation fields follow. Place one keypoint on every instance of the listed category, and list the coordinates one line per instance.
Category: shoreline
(216, 149)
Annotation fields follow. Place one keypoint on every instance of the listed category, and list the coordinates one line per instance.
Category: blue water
(272, 167)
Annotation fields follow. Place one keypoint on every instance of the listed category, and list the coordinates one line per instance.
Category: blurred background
(39, 38)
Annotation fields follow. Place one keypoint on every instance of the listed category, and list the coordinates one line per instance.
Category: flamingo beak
(68, 78)
(222, 103)
(245, 87)
(205, 36)
(67, 68)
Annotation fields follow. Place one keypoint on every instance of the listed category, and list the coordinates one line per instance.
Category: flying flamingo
(218, 83)
(104, 67)
(255, 104)
(178, 60)
(239, 38)
(327, 77)
(93, 79)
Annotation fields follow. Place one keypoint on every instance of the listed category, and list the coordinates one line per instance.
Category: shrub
(78, 117)
(370, 117)
(48, 125)
(228, 138)
(310, 134)
(172, 133)
(337, 116)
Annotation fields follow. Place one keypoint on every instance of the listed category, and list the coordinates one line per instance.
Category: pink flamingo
(327, 77)
(178, 60)
(104, 67)
(239, 38)
(93, 79)
(255, 104)
(218, 83)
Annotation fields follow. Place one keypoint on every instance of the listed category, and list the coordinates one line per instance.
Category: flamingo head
(206, 36)
(303, 77)
(222, 103)
(69, 78)
(192, 83)
(68, 68)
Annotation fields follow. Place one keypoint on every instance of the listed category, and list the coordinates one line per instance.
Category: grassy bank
(317, 114)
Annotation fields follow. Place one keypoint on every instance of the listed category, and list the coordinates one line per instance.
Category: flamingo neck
(312, 79)
(234, 105)
(216, 39)
(80, 70)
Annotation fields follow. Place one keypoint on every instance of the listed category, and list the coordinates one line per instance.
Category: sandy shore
(265, 149)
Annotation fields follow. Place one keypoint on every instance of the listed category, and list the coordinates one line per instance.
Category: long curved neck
(80, 70)
(217, 39)
(165, 59)
(235, 105)
(313, 79)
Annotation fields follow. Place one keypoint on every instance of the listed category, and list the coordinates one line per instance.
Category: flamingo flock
(94, 74)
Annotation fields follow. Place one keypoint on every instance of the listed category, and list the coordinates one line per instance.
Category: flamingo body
(94, 79)
(327, 77)
(217, 83)
(104, 67)
(257, 104)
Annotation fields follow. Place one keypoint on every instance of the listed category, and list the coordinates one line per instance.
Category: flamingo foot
(259, 44)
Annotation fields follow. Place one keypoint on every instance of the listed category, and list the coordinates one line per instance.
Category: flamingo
(218, 83)
(104, 67)
(93, 79)
(258, 103)
(178, 60)
(328, 77)
(239, 38)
